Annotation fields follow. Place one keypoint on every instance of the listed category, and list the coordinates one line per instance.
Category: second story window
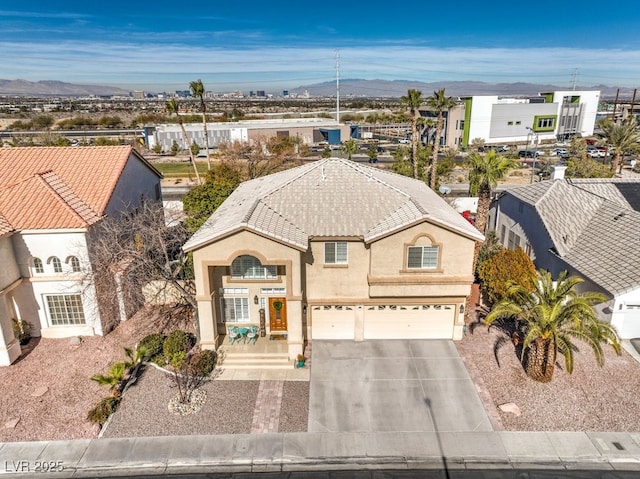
(37, 265)
(422, 257)
(249, 267)
(75, 264)
(56, 263)
(336, 253)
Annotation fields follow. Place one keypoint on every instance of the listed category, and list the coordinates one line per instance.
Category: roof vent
(618, 216)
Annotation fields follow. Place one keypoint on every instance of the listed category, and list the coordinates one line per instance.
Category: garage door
(409, 321)
(333, 322)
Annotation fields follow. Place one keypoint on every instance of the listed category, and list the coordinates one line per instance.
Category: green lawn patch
(181, 169)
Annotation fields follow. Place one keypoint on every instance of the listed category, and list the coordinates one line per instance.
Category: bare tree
(137, 258)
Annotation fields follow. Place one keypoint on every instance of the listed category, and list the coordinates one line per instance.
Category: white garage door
(333, 322)
(409, 321)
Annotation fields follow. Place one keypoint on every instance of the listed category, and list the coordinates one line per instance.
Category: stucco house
(49, 200)
(333, 250)
(589, 227)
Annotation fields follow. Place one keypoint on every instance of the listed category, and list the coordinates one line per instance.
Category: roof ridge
(45, 178)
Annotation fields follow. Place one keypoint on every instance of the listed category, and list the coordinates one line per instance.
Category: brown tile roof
(91, 172)
(329, 198)
(59, 187)
(5, 226)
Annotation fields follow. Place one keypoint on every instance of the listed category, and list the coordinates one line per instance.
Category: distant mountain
(397, 88)
(55, 88)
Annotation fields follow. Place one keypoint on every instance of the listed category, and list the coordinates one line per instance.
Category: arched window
(249, 267)
(75, 264)
(37, 265)
(57, 264)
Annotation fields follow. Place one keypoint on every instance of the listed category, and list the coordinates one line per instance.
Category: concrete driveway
(392, 385)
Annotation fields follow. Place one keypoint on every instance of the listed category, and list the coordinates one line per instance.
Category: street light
(535, 151)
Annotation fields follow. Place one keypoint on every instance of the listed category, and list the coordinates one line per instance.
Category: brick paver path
(268, 402)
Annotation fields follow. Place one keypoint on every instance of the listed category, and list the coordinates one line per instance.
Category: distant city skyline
(162, 46)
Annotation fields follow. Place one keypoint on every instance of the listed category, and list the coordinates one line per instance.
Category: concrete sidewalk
(500, 454)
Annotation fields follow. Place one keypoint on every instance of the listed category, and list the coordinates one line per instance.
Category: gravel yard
(590, 399)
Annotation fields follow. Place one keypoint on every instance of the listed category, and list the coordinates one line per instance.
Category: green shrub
(176, 343)
(205, 362)
(153, 343)
(101, 412)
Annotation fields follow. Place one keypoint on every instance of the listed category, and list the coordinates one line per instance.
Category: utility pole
(574, 78)
(338, 86)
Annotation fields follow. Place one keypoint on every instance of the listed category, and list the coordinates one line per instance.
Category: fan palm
(349, 148)
(622, 137)
(555, 315)
(173, 108)
(440, 104)
(197, 90)
(412, 101)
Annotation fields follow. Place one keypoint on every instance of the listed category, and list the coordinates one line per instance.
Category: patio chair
(234, 334)
(252, 334)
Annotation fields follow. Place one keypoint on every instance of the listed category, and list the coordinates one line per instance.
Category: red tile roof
(58, 187)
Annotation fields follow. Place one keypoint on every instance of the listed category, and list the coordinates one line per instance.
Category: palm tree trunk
(436, 149)
(206, 137)
(414, 146)
(540, 360)
(615, 161)
(185, 138)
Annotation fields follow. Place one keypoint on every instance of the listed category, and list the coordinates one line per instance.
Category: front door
(277, 315)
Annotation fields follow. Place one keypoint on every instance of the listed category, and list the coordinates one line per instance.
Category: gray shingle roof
(594, 225)
(329, 198)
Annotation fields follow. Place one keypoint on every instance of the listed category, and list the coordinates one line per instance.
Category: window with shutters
(249, 267)
(336, 252)
(235, 310)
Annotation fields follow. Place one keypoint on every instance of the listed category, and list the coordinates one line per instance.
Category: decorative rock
(39, 392)
(12, 423)
(198, 398)
(75, 341)
(510, 407)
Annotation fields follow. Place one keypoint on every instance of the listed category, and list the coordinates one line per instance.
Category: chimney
(558, 172)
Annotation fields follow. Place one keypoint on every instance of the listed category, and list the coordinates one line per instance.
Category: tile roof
(594, 226)
(59, 187)
(329, 198)
(5, 226)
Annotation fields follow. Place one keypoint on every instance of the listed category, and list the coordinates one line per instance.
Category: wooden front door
(277, 314)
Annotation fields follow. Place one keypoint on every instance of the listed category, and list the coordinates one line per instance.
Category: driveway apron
(392, 386)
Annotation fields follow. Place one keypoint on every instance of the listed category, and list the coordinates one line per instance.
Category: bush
(177, 342)
(101, 412)
(503, 267)
(205, 362)
(153, 343)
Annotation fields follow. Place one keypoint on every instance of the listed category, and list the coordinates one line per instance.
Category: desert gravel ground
(590, 399)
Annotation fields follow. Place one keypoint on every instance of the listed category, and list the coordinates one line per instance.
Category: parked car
(404, 141)
(594, 152)
(529, 153)
(561, 152)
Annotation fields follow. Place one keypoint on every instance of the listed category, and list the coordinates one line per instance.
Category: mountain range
(349, 88)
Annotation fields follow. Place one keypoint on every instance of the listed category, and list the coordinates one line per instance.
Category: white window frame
(68, 309)
(74, 262)
(336, 252)
(231, 306)
(56, 264)
(38, 266)
(250, 267)
(428, 260)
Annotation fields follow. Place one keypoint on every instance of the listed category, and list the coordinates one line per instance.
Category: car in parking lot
(529, 153)
(561, 152)
(594, 152)
(404, 141)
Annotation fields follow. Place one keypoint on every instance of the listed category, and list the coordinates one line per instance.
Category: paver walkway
(268, 402)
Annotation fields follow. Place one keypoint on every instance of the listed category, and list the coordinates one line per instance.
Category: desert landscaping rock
(510, 407)
(39, 392)
(12, 423)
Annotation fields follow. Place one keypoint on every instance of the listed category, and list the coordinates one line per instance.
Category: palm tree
(622, 137)
(349, 148)
(412, 101)
(484, 173)
(172, 108)
(197, 90)
(438, 103)
(554, 315)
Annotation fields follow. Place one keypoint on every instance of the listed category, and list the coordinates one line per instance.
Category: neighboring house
(549, 117)
(49, 199)
(333, 250)
(589, 227)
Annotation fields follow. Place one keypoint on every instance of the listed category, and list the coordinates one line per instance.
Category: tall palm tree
(197, 90)
(554, 315)
(173, 109)
(440, 104)
(413, 100)
(622, 137)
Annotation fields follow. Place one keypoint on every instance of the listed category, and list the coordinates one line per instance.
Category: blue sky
(275, 45)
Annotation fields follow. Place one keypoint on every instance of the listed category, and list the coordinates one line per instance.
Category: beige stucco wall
(9, 280)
